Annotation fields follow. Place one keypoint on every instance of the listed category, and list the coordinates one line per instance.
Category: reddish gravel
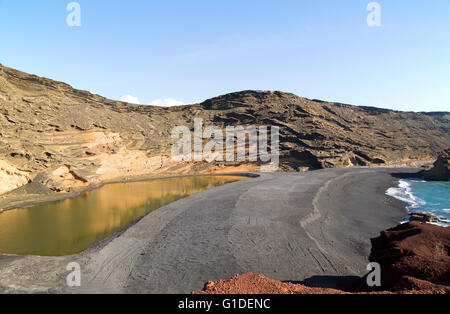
(250, 283)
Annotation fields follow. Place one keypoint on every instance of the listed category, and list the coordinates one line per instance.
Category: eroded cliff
(60, 139)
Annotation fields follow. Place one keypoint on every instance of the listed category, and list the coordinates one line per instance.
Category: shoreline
(251, 225)
(415, 205)
(26, 202)
(363, 210)
(17, 199)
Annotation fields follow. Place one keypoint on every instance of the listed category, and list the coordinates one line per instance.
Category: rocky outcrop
(45, 125)
(424, 217)
(413, 255)
(11, 178)
(63, 178)
(441, 169)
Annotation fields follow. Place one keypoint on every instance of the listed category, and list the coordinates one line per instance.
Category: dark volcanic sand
(312, 227)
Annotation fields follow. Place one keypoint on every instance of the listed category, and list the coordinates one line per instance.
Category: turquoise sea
(424, 196)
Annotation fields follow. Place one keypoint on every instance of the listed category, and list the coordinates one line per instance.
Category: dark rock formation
(413, 255)
(441, 169)
(424, 217)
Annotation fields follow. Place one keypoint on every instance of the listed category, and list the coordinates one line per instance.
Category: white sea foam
(443, 223)
(403, 193)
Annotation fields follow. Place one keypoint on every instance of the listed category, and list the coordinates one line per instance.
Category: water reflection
(71, 226)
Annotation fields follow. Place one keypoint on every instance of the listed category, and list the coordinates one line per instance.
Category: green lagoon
(73, 225)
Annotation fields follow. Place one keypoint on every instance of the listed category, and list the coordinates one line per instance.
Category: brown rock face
(413, 255)
(441, 169)
(46, 125)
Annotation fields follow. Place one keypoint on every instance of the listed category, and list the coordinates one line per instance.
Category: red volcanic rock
(250, 283)
(413, 256)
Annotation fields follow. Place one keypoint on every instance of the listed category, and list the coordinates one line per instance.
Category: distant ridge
(52, 134)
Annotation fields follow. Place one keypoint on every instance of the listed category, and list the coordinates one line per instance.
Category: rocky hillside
(59, 138)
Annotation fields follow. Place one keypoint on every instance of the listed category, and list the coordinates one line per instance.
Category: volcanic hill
(54, 138)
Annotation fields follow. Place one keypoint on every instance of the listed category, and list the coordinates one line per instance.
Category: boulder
(441, 169)
(413, 250)
(424, 217)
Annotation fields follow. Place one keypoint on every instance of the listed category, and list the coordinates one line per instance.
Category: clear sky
(191, 50)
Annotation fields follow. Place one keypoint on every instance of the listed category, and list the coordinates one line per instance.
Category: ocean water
(424, 196)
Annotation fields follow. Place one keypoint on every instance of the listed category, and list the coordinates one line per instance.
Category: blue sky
(191, 50)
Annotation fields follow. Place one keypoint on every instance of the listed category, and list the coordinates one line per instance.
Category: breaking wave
(424, 196)
(403, 193)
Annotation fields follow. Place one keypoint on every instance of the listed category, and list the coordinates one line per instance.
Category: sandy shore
(309, 227)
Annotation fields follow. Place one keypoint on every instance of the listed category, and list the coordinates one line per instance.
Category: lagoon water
(424, 196)
(73, 225)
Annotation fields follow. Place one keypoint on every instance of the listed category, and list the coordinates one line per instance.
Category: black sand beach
(312, 227)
